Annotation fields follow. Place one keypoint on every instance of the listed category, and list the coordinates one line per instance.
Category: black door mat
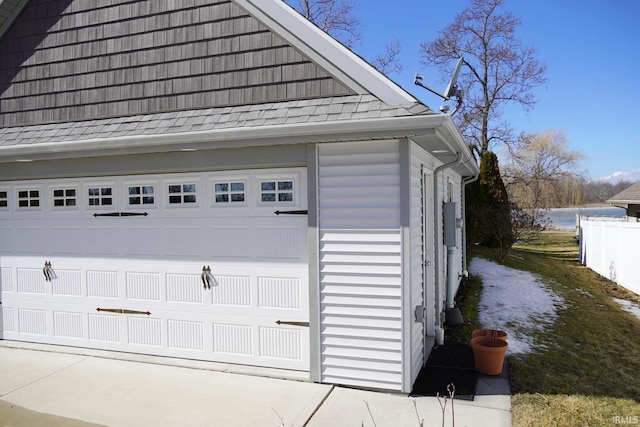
(434, 381)
(448, 364)
(458, 356)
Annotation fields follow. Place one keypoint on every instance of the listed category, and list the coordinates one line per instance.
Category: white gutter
(455, 134)
(231, 137)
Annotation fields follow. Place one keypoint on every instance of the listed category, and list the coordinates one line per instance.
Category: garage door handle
(48, 272)
(281, 322)
(206, 277)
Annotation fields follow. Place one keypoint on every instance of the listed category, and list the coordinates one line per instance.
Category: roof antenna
(451, 90)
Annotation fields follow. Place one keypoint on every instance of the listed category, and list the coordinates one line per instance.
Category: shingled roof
(630, 195)
(86, 79)
(293, 112)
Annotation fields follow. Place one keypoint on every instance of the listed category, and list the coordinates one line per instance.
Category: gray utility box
(450, 225)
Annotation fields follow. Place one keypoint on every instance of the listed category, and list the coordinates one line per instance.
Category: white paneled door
(195, 266)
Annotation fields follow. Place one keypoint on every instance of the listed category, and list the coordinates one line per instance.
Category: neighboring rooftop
(631, 195)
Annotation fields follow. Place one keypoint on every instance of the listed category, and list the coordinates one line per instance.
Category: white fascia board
(330, 54)
(468, 160)
(397, 127)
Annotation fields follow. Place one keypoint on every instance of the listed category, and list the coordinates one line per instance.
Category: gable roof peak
(337, 59)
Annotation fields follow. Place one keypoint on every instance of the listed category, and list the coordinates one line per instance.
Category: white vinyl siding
(360, 264)
(418, 231)
(422, 251)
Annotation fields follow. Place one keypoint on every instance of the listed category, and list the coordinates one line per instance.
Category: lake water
(565, 218)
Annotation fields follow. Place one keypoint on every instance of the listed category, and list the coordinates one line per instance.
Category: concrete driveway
(44, 388)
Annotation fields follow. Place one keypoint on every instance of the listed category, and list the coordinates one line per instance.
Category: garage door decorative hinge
(121, 214)
(282, 322)
(304, 212)
(122, 311)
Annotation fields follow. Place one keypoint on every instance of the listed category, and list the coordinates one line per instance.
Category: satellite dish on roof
(451, 90)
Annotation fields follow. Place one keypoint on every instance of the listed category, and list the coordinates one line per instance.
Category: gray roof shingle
(631, 194)
(327, 109)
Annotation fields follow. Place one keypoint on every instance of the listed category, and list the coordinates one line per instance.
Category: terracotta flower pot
(490, 333)
(488, 354)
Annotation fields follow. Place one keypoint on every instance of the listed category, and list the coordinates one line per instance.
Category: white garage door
(187, 265)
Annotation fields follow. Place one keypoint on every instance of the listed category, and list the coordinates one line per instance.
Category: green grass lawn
(585, 369)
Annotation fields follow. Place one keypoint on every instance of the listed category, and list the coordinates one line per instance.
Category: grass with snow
(582, 363)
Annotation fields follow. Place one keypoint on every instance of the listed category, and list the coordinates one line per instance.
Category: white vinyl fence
(611, 250)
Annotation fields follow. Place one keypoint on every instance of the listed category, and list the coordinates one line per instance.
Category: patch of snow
(629, 306)
(514, 301)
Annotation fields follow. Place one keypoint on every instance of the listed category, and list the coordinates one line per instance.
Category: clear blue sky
(592, 51)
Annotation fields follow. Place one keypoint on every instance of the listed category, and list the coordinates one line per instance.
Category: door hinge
(123, 311)
(119, 214)
(303, 212)
(281, 322)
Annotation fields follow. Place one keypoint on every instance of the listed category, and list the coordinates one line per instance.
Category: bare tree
(388, 62)
(338, 19)
(537, 170)
(600, 192)
(335, 17)
(499, 70)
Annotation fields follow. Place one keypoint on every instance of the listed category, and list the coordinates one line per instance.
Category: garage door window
(64, 197)
(28, 198)
(4, 199)
(100, 196)
(276, 191)
(229, 192)
(141, 195)
(182, 194)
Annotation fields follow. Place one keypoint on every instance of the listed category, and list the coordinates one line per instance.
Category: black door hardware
(206, 277)
(281, 322)
(123, 311)
(121, 214)
(48, 272)
(305, 212)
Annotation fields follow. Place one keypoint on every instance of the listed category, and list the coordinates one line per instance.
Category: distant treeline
(600, 192)
(566, 192)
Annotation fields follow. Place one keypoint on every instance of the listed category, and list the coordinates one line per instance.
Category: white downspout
(452, 314)
(465, 182)
(451, 277)
(439, 329)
